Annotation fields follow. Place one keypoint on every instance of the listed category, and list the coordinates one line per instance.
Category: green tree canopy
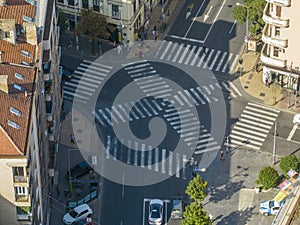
(289, 162)
(267, 177)
(62, 21)
(196, 189)
(93, 24)
(195, 215)
(255, 14)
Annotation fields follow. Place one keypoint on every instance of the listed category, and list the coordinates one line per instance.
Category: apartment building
(127, 15)
(280, 53)
(30, 98)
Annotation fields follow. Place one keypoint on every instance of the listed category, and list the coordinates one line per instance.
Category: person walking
(119, 48)
(203, 50)
(222, 155)
(72, 139)
(267, 82)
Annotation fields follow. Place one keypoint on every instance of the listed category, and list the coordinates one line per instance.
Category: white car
(80, 212)
(155, 212)
(270, 207)
(296, 119)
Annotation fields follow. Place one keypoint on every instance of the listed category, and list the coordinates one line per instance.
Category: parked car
(66, 74)
(80, 212)
(270, 207)
(177, 209)
(296, 119)
(155, 212)
(79, 170)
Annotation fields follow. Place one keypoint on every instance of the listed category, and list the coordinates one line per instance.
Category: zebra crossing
(94, 74)
(157, 159)
(253, 126)
(187, 54)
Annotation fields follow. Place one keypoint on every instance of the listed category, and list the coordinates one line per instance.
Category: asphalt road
(122, 204)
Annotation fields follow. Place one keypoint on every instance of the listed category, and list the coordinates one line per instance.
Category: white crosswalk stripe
(156, 159)
(253, 126)
(89, 75)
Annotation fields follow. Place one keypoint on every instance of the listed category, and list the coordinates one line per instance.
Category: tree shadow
(237, 217)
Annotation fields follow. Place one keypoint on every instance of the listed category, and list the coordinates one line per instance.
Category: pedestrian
(119, 49)
(72, 139)
(127, 45)
(222, 155)
(267, 82)
(203, 50)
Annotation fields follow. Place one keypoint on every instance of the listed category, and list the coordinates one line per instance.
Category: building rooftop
(16, 89)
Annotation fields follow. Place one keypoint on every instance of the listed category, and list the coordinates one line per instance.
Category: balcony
(22, 198)
(282, 43)
(20, 179)
(51, 130)
(282, 2)
(274, 20)
(268, 60)
(23, 213)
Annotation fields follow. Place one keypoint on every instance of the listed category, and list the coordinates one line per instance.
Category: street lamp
(247, 7)
(75, 10)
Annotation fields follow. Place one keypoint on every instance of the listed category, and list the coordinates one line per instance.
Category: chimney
(2, 2)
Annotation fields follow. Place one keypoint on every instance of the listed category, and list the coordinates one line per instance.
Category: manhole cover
(245, 87)
(262, 94)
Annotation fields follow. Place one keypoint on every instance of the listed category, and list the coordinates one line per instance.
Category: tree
(196, 189)
(255, 14)
(195, 215)
(94, 25)
(267, 177)
(289, 162)
(62, 22)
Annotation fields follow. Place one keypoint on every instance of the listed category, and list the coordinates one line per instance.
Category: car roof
(81, 207)
(156, 201)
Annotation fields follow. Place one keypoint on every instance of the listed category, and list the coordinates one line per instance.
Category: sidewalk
(251, 82)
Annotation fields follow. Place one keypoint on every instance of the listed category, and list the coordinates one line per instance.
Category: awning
(292, 173)
(284, 185)
(280, 196)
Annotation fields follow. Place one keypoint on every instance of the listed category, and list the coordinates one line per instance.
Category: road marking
(292, 132)
(201, 60)
(232, 27)
(143, 156)
(263, 107)
(149, 157)
(227, 62)
(196, 57)
(156, 159)
(177, 165)
(166, 50)
(171, 53)
(221, 61)
(170, 163)
(184, 53)
(129, 152)
(207, 14)
(108, 146)
(215, 59)
(136, 148)
(177, 54)
(194, 20)
(187, 39)
(235, 89)
(163, 163)
(232, 67)
(261, 111)
(115, 148)
(123, 187)
(190, 55)
(259, 115)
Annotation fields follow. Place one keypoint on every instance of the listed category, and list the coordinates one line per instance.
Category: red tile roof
(16, 9)
(11, 53)
(14, 142)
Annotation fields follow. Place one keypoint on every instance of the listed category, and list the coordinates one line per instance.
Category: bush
(287, 163)
(267, 177)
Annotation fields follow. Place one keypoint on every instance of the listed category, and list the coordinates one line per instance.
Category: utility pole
(274, 145)
(295, 105)
(76, 29)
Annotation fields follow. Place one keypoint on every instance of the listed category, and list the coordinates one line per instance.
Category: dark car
(79, 170)
(66, 73)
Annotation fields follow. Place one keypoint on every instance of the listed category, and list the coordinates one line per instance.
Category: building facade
(28, 119)
(128, 16)
(280, 52)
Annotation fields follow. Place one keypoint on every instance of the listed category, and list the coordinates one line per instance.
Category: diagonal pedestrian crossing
(156, 159)
(90, 75)
(213, 59)
(253, 126)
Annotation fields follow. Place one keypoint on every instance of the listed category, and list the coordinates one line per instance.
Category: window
(71, 2)
(25, 63)
(7, 34)
(25, 53)
(15, 111)
(278, 11)
(18, 171)
(18, 87)
(276, 51)
(115, 12)
(21, 191)
(28, 19)
(19, 76)
(85, 4)
(13, 124)
(277, 31)
(30, 2)
(96, 7)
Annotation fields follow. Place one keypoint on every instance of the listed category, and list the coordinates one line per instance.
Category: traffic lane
(185, 17)
(129, 208)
